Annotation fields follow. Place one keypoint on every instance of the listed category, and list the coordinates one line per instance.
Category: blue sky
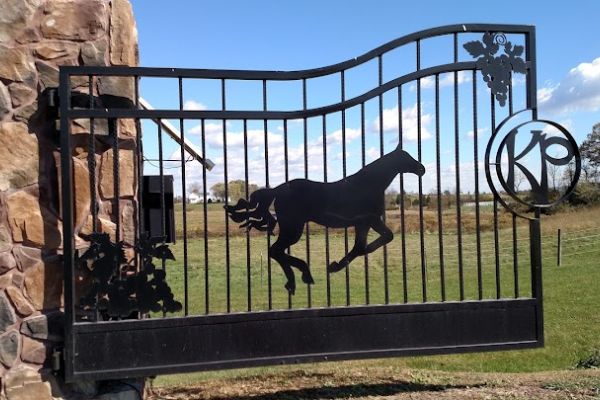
(285, 35)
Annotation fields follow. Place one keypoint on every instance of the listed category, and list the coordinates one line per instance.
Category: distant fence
(573, 243)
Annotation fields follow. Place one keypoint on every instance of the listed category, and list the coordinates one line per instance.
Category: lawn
(571, 297)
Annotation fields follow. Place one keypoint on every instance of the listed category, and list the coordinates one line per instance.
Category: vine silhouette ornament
(355, 201)
(115, 293)
(497, 69)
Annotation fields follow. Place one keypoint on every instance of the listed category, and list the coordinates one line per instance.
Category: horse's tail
(254, 212)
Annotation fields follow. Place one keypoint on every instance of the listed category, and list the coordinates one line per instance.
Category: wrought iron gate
(457, 270)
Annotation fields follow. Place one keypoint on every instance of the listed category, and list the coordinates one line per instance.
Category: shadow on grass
(325, 392)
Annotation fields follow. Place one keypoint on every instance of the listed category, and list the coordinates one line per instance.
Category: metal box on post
(155, 210)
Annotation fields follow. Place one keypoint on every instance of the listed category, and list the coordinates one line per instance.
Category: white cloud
(565, 123)
(446, 80)
(544, 94)
(372, 154)
(193, 105)
(336, 136)
(409, 122)
(480, 132)
(211, 128)
(578, 91)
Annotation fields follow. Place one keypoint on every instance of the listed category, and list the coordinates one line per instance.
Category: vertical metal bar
(534, 225)
(386, 291)
(92, 158)
(226, 179)
(510, 95)
(536, 271)
(183, 204)
(326, 228)
(67, 217)
(477, 209)
(265, 129)
(514, 216)
(496, 234)
(140, 161)
(205, 222)
(162, 189)
(515, 255)
(247, 195)
(287, 178)
(92, 173)
(497, 250)
(530, 54)
(457, 167)
(139, 172)
(420, 158)
(304, 106)
(363, 162)
(344, 171)
(114, 134)
(402, 220)
(439, 187)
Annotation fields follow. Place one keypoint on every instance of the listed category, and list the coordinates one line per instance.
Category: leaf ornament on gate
(497, 69)
(114, 292)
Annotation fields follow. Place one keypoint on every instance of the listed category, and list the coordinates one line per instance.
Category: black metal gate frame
(129, 348)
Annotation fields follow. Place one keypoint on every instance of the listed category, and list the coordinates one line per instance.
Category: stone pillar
(36, 37)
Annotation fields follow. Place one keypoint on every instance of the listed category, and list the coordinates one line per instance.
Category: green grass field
(571, 297)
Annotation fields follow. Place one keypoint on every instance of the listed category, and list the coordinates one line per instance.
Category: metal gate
(321, 270)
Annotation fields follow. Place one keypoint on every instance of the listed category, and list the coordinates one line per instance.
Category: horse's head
(406, 163)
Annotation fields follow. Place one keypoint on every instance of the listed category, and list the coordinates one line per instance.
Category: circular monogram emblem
(535, 162)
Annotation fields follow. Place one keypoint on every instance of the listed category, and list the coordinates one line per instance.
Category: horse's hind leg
(386, 235)
(359, 249)
(360, 245)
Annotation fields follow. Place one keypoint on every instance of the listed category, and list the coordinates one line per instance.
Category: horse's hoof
(335, 267)
(308, 279)
(332, 267)
(291, 288)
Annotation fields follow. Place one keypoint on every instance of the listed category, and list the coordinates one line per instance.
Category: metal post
(536, 272)
(558, 249)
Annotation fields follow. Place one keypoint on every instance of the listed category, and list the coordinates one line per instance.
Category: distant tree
(447, 199)
(519, 179)
(585, 194)
(195, 188)
(218, 191)
(235, 190)
(391, 199)
(590, 155)
(554, 174)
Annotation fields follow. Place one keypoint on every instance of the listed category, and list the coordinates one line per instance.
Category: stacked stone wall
(36, 37)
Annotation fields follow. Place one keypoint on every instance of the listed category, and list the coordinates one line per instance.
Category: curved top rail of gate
(265, 75)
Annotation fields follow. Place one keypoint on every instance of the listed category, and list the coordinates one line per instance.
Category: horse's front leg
(289, 233)
(386, 235)
(277, 253)
(359, 249)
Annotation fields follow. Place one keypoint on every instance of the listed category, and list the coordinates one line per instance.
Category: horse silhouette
(355, 201)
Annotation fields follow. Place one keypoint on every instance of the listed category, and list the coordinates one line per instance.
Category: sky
(286, 35)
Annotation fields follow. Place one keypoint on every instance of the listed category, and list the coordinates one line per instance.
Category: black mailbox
(152, 207)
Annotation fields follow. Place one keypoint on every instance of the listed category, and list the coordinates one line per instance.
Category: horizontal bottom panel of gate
(158, 346)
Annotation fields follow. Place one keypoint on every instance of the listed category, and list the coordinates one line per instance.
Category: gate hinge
(53, 98)
(57, 360)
